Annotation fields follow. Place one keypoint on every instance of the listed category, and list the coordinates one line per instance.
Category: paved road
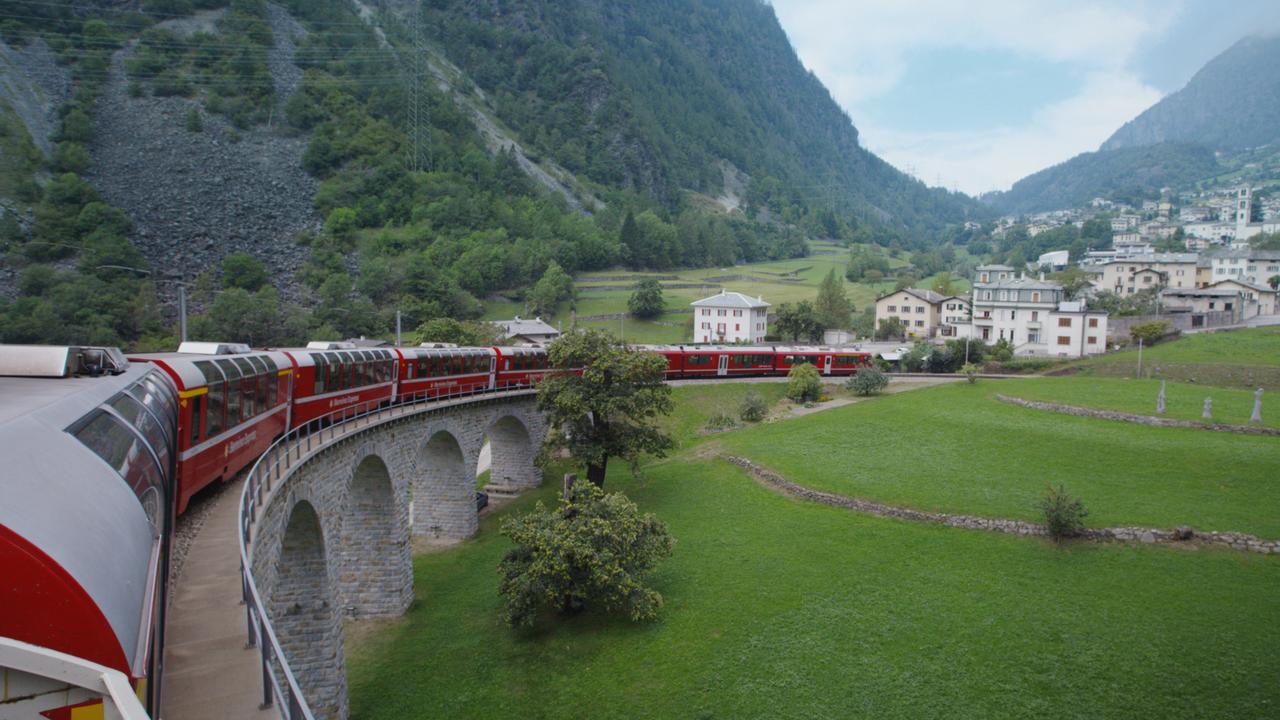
(209, 674)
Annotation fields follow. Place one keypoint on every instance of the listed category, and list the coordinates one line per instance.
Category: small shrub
(867, 381)
(135, 89)
(970, 372)
(594, 549)
(1063, 515)
(720, 422)
(804, 384)
(753, 408)
(194, 122)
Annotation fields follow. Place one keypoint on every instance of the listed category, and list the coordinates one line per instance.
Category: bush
(970, 372)
(242, 270)
(867, 381)
(194, 122)
(1063, 515)
(720, 422)
(594, 549)
(754, 408)
(803, 383)
(1151, 332)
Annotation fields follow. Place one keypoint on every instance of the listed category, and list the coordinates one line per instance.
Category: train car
(828, 361)
(330, 376)
(710, 361)
(88, 446)
(434, 370)
(232, 403)
(521, 365)
(673, 354)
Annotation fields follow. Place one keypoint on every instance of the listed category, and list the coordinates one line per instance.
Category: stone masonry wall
(334, 538)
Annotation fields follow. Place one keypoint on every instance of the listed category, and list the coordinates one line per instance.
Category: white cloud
(860, 48)
(990, 159)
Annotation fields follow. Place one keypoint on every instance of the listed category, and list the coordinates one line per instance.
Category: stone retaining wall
(1235, 541)
(1139, 419)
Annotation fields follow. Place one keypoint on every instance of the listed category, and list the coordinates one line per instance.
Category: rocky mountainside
(1232, 103)
(195, 197)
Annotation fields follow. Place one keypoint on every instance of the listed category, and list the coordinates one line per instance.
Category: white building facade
(730, 317)
(1034, 318)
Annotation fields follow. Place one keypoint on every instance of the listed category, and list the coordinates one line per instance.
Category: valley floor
(781, 608)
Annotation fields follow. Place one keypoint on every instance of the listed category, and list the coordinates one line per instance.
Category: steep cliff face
(1232, 103)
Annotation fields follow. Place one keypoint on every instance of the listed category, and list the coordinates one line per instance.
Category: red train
(75, 422)
(233, 401)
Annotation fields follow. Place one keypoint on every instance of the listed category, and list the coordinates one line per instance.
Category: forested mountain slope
(262, 155)
(1137, 171)
(652, 94)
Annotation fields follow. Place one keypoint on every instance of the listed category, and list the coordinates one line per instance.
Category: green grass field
(599, 293)
(776, 608)
(1237, 358)
(1182, 401)
(955, 448)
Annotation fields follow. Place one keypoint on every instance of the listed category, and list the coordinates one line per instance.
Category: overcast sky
(976, 94)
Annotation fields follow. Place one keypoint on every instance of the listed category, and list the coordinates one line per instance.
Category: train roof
(305, 357)
(183, 364)
(62, 498)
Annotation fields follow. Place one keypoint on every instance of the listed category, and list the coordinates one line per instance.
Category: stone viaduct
(331, 537)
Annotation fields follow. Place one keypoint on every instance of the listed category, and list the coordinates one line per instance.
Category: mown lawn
(776, 608)
(955, 448)
(1182, 401)
(1237, 358)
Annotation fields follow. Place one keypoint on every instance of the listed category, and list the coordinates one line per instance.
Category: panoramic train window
(133, 413)
(213, 420)
(121, 448)
(318, 386)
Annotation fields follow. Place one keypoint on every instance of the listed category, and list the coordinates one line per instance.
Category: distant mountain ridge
(1232, 103)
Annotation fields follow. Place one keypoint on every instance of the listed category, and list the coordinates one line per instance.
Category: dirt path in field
(896, 385)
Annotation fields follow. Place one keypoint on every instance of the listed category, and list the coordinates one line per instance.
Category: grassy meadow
(779, 608)
(955, 448)
(1247, 358)
(606, 292)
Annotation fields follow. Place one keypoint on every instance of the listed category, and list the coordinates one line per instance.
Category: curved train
(102, 452)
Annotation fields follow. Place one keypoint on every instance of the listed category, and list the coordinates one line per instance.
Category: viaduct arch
(331, 535)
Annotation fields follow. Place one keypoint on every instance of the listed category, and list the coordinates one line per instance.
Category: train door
(723, 369)
(826, 364)
(493, 367)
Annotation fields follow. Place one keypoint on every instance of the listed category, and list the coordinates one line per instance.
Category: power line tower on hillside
(419, 146)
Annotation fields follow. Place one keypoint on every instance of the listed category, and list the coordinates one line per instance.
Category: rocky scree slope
(196, 197)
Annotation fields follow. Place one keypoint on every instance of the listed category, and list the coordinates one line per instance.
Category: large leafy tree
(799, 321)
(606, 409)
(832, 306)
(646, 301)
(594, 549)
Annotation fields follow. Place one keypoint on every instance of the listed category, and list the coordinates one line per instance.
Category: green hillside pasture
(695, 404)
(1236, 358)
(955, 448)
(1182, 401)
(776, 608)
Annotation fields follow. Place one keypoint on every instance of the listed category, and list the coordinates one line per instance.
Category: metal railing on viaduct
(327, 514)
